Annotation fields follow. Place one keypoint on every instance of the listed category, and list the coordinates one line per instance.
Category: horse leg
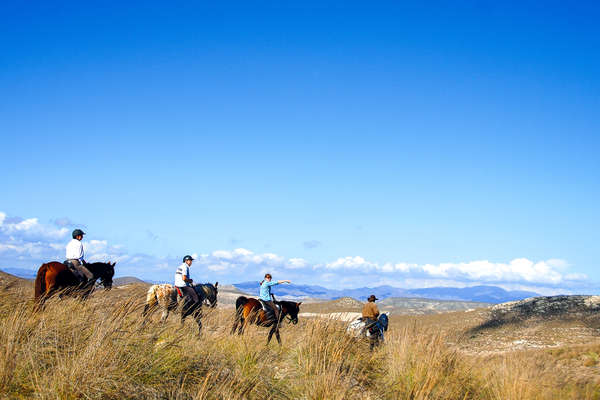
(184, 313)
(87, 292)
(199, 322)
(197, 314)
(243, 323)
(145, 315)
(51, 288)
(271, 331)
(236, 321)
(277, 335)
(187, 307)
(244, 319)
(164, 315)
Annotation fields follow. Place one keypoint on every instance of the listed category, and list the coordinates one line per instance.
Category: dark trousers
(271, 304)
(80, 270)
(189, 291)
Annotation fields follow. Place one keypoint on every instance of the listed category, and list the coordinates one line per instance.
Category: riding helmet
(187, 258)
(78, 232)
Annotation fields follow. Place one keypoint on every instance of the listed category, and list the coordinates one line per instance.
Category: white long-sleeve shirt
(75, 250)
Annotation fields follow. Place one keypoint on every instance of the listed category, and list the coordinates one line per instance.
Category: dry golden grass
(99, 349)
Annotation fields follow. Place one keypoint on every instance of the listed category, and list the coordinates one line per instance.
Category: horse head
(291, 309)
(208, 293)
(104, 272)
(212, 297)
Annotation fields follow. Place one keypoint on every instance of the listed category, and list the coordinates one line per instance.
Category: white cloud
(240, 259)
(296, 263)
(517, 270)
(29, 229)
(27, 242)
(355, 262)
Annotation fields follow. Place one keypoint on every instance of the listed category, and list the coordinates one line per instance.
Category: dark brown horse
(55, 276)
(249, 310)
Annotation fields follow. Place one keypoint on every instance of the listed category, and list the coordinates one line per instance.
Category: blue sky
(412, 135)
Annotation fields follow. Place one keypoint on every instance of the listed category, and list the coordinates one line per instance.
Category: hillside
(439, 356)
(228, 294)
(20, 272)
(394, 306)
(415, 306)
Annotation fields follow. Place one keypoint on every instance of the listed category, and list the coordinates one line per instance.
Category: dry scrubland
(99, 349)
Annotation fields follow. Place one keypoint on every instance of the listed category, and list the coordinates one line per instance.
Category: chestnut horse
(249, 310)
(55, 276)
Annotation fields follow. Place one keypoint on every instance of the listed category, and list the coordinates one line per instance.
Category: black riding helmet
(187, 258)
(78, 232)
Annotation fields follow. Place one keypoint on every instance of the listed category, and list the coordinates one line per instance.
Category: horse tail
(240, 303)
(151, 299)
(40, 282)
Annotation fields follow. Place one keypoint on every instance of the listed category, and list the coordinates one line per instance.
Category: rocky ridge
(546, 306)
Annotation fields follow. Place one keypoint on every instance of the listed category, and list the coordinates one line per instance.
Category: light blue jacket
(265, 290)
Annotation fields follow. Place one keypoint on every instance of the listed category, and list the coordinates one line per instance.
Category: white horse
(373, 332)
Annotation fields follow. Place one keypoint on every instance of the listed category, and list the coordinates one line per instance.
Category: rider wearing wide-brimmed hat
(183, 280)
(370, 312)
(74, 255)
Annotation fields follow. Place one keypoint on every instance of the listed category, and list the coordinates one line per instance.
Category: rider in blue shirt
(265, 293)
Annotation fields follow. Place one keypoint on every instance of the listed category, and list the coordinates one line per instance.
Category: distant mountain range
(20, 272)
(30, 274)
(484, 294)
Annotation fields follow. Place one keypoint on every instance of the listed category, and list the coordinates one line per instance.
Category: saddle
(371, 326)
(71, 268)
(267, 309)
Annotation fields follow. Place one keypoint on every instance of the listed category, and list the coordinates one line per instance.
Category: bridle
(103, 276)
(289, 318)
(209, 290)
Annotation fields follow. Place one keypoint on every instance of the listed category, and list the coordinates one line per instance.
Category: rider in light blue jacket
(265, 293)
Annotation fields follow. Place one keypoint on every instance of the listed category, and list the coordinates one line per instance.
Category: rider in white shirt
(183, 280)
(75, 256)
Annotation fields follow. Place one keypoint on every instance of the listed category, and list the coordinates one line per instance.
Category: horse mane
(209, 285)
(199, 285)
(100, 268)
(288, 303)
(98, 264)
(203, 289)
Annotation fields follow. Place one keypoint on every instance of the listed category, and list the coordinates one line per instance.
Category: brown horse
(55, 276)
(249, 310)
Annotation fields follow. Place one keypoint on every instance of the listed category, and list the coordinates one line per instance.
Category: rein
(287, 317)
(206, 292)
